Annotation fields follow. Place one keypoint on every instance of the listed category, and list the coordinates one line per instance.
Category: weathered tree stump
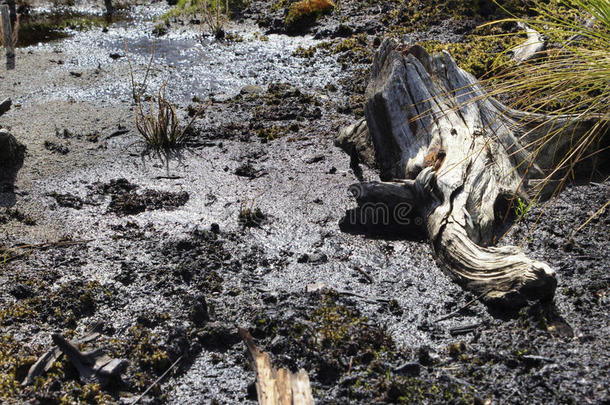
(458, 157)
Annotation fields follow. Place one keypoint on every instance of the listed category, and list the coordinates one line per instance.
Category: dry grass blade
(160, 125)
(138, 89)
(568, 82)
(215, 15)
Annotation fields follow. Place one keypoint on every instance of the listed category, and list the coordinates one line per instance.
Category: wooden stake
(7, 30)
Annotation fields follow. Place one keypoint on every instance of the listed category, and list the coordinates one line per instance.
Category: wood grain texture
(276, 387)
(459, 156)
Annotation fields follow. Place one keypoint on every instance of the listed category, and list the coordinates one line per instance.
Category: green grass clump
(270, 133)
(521, 209)
(302, 52)
(249, 215)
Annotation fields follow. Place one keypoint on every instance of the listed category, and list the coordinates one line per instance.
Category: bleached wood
(531, 47)
(91, 365)
(5, 105)
(46, 361)
(459, 156)
(276, 387)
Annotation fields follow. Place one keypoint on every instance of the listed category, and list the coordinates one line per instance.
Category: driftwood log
(276, 387)
(531, 47)
(457, 159)
(94, 365)
(46, 361)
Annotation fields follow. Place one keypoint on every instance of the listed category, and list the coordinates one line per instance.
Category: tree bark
(109, 8)
(12, 11)
(7, 30)
(459, 157)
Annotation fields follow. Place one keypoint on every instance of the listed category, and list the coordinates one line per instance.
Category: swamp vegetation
(192, 182)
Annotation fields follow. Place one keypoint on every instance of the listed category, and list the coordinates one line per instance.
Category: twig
(365, 274)
(373, 300)
(116, 133)
(469, 303)
(156, 381)
(6, 251)
(461, 330)
(59, 243)
(168, 177)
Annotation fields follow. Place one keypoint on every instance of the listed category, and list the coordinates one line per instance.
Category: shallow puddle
(41, 25)
(105, 56)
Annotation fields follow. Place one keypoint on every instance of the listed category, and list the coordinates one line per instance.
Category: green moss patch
(188, 8)
(419, 15)
(348, 355)
(478, 54)
(303, 13)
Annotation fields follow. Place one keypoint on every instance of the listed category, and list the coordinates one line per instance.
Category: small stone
(425, 357)
(411, 368)
(21, 291)
(314, 287)
(313, 258)
(199, 311)
(215, 228)
(251, 89)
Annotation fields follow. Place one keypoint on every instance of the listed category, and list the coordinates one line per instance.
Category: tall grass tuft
(215, 14)
(159, 125)
(571, 77)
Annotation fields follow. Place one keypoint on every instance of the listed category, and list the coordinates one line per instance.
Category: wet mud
(246, 226)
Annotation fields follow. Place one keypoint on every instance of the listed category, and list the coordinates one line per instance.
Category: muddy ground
(172, 252)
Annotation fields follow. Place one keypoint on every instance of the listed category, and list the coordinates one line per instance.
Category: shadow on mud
(543, 315)
(379, 222)
(11, 160)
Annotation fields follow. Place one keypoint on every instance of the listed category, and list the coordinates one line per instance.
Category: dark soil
(246, 226)
(131, 203)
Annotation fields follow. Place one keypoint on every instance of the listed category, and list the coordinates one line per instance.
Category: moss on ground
(346, 351)
(37, 28)
(303, 13)
(478, 54)
(188, 8)
(419, 15)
